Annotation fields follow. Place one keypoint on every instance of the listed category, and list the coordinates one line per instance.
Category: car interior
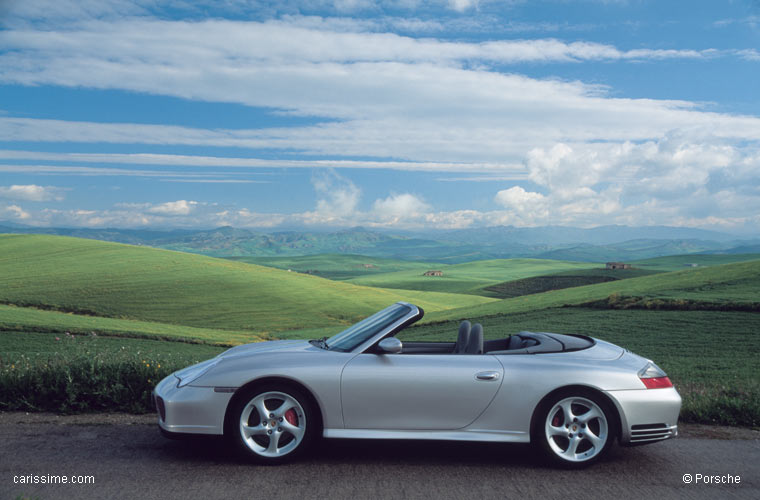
(470, 341)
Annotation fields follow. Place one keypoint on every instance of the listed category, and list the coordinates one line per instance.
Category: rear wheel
(575, 429)
(272, 424)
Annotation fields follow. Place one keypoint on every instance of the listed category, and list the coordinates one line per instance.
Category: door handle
(487, 376)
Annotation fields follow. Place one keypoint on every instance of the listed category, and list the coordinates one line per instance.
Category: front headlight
(194, 372)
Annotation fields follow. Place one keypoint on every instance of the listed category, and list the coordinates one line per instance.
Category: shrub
(80, 377)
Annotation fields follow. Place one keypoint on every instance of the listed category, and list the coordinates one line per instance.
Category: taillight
(657, 382)
(654, 378)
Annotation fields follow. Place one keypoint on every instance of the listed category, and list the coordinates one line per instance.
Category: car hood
(270, 346)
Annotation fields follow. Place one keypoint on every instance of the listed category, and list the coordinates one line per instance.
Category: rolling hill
(97, 279)
(337, 266)
(728, 285)
(469, 277)
(681, 262)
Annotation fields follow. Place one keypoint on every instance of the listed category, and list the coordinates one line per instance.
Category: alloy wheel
(576, 429)
(273, 424)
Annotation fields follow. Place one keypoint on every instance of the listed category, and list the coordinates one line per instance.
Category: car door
(417, 391)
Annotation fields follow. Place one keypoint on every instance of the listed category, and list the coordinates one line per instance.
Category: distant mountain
(130, 236)
(598, 244)
(561, 235)
(632, 250)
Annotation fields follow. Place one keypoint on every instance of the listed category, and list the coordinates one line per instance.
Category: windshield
(355, 335)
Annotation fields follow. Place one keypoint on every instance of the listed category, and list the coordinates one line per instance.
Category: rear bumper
(647, 415)
(190, 410)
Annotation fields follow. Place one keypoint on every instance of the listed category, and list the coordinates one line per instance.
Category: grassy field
(338, 266)
(558, 281)
(713, 357)
(681, 262)
(28, 319)
(94, 278)
(729, 284)
(154, 311)
(470, 277)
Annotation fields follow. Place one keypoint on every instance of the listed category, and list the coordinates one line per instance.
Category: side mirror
(390, 345)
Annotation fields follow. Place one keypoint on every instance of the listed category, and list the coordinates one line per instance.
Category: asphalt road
(132, 460)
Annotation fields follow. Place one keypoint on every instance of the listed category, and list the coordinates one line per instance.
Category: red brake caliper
(555, 420)
(291, 417)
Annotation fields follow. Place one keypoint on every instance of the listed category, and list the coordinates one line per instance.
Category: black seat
(463, 338)
(517, 342)
(475, 344)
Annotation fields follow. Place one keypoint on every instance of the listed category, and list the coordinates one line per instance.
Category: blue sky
(389, 114)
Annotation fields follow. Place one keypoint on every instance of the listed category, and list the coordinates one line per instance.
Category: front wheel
(272, 424)
(575, 429)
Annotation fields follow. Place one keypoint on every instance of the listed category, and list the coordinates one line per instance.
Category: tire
(574, 428)
(272, 424)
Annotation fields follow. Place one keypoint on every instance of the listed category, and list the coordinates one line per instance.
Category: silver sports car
(570, 395)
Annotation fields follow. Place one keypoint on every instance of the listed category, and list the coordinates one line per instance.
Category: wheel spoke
(285, 406)
(589, 415)
(567, 411)
(572, 447)
(595, 440)
(554, 431)
(296, 431)
(274, 440)
(260, 405)
(256, 430)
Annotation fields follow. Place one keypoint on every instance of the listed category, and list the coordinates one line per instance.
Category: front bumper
(647, 415)
(190, 409)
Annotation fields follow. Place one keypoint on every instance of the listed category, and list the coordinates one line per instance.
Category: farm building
(433, 273)
(617, 265)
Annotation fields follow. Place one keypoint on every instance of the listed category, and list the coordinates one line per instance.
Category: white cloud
(749, 54)
(31, 192)
(212, 161)
(215, 181)
(526, 207)
(14, 212)
(337, 197)
(400, 206)
(462, 5)
(171, 208)
(431, 105)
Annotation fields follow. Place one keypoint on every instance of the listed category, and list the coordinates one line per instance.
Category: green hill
(567, 279)
(94, 278)
(469, 277)
(727, 284)
(681, 262)
(336, 266)
(29, 319)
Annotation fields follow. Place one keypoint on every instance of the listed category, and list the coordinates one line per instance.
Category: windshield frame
(414, 314)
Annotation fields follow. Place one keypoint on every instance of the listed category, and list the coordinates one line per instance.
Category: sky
(394, 114)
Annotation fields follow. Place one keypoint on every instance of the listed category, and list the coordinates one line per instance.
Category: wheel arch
(243, 390)
(541, 407)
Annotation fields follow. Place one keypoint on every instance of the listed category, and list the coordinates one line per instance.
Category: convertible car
(571, 396)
